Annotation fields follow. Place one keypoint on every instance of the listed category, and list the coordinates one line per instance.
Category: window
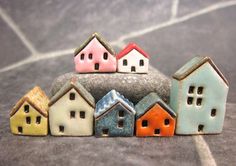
(213, 112)
(144, 123)
(200, 90)
(133, 69)
(192, 94)
(72, 114)
(72, 96)
(61, 129)
(26, 108)
(105, 132)
(200, 128)
(190, 100)
(120, 123)
(96, 66)
(82, 56)
(125, 62)
(82, 114)
(28, 120)
(20, 129)
(90, 56)
(191, 89)
(199, 101)
(157, 131)
(38, 119)
(141, 62)
(121, 113)
(167, 122)
(105, 55)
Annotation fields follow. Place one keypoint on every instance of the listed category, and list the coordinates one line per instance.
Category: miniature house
(114, 116)
(154, 117)
(198, 96)
(71, 111)
(132, 59)
(30, 114)
(95, 55)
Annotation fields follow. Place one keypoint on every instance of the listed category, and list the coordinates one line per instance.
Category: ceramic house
(71, 111)
(30, 114)
(198, 96)
(114, 116)
(132, 59)
(95, 55)
(154, 117)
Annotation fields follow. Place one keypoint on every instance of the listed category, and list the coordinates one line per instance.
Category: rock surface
(132, 86)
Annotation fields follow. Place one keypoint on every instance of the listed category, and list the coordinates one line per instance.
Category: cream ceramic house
(132, 59)
(71, 111)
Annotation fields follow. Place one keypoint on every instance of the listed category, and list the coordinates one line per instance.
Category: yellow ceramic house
(30, 114)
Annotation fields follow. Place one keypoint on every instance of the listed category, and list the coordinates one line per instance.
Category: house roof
(194, 64)
(73, 83)
(100, 39)
(148, 102)
(129, 48)
(36, 98)
(110, 99)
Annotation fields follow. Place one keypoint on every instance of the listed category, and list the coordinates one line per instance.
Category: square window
(72, 114)
(105, 55)
(120, 123)
(144, 123)
(121, 113)
(200, 128)
(105, 132)
(167, 121)
(191, 89)
(200, 90)
(199, 101)
(213, 112)
(157, 131)
(61, 129)
(38, 119)
(28, 120)
(141, 62)
(125, 62)
(20, 130)
(82, 114)
(26, 108)
(72, 96)
(190, 100)
(82, 56)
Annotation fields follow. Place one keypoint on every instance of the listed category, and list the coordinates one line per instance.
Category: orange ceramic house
(154, 117)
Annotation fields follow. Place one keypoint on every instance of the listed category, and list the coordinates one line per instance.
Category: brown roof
(36, 98)
(100, 39)
(194, 64)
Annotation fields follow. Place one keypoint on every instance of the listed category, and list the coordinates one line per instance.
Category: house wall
(110, 121)
(155, 117)
(133, 58)
(214, 96)
(97, 50)
(19, 120)
(59, 115)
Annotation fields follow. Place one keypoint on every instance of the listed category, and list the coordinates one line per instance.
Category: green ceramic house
(198, 96)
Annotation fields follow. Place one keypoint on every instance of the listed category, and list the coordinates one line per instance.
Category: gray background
(37, 39)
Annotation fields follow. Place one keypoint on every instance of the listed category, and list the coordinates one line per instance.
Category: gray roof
(73, 83)
(110, 99)
(149, 101)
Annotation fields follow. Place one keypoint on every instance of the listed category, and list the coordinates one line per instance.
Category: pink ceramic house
(95, 55)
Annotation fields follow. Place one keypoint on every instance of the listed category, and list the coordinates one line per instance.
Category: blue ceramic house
(198, 96)
(114, 116)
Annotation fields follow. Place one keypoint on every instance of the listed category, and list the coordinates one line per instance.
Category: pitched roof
(36, 98)
(100, 39)
(148, 102)
(194, 64)
(73, 83)
(129, 48)
(109, 100)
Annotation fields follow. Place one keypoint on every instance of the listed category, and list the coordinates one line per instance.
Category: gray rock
(132, 86)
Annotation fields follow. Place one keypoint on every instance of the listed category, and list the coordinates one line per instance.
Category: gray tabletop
(37, 40)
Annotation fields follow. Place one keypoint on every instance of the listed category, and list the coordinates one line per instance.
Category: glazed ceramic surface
(199, 99)
(95, 57)
(132, 60)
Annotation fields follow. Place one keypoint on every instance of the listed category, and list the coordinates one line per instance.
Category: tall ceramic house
(95, 55)
(198, 96)
(114, 116)
(30, 114)
(154, 117)
(132, 59)
(71, 111)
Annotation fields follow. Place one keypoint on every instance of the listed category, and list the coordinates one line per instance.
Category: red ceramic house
(132, 59)
(95, 55)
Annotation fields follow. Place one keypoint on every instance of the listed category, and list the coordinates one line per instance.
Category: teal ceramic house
(198, 96)
(114, 116)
